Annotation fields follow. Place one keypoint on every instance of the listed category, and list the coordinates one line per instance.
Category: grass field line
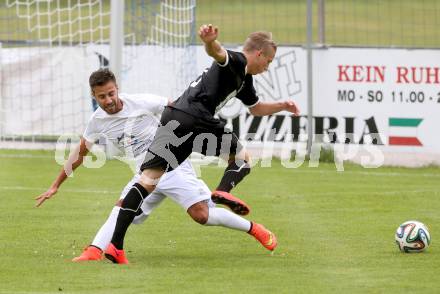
(25, 156)
(392, 192)
(371, 173)
(93, 191)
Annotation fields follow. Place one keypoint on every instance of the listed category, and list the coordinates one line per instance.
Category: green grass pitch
(335, 231)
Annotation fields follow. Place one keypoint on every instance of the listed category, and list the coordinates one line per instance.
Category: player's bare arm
(267, 108)
(76, 158)
(208, 34)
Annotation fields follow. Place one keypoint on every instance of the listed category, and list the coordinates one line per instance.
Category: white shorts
(181, 185)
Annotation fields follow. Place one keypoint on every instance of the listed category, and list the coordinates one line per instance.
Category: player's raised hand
(291, 106)
(46, 195)
(208, 33)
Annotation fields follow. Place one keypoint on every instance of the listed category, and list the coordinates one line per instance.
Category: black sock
(234, 173)
(129, 209)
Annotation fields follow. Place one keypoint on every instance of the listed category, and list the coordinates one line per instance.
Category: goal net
(164, 60)
(48, 48)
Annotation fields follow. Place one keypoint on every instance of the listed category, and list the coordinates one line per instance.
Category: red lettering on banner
(418, 75)
(357, 73)
(435, 74)
(414, 71)
(343, 76)
(378, 74)
(402, 73)
(361, 73)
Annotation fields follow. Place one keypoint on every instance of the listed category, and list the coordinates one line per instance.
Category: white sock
(105, 233)
(225, 218)
(211, 203)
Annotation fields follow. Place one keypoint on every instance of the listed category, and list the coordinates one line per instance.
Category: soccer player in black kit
(190, 120)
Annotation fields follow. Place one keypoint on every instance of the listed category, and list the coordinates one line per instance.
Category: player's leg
(172, 144)
(104, 235)
(132, 202)
(238, 168)
(102, 238)
(183, 187)
(215, 216)
(148, 205)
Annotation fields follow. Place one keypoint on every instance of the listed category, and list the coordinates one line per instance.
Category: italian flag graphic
(403, 131)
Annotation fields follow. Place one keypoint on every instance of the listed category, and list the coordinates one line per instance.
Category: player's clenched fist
(208, 33)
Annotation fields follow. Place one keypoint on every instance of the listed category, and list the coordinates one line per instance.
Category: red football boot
(264, 236)
(235, 204)
(90, 253)
(115, 255)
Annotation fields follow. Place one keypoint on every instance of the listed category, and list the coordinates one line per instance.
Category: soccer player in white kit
(129, 123)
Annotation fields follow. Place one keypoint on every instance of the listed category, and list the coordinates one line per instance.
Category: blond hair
(259, 41)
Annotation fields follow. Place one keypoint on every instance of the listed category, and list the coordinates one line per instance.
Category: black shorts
(180, 134)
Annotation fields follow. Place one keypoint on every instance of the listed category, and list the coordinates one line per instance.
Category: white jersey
(132, 129)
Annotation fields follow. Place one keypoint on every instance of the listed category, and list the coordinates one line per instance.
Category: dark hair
(101, 77)
(259, 41)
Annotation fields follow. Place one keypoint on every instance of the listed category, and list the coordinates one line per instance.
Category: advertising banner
(392, 92)
(389, 98)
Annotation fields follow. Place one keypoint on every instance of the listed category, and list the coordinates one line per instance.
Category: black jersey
(217, 84)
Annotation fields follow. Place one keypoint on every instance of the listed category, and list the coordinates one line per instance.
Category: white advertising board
(386, 97)
(393, 92)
